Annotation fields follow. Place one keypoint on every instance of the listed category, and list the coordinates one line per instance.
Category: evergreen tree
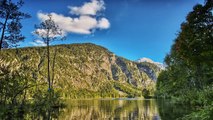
(194, 43)
(190, 62)
(10, 26)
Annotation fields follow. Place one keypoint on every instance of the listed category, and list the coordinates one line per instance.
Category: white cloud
(103, 23)
(80, 25)
(89, 8)
(38, 43)
(86, 21)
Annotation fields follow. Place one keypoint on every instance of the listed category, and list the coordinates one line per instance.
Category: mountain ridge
(144, 59)
(86, 70)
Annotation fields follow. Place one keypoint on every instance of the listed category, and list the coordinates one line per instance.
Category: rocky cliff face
(158, 64)
(85, 70)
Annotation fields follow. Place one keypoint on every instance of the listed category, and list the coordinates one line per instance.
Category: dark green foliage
(108, 90)
(13, 84)
(188, 78)
(146, 93)
(128, 89)
(10, 25)
(21, 93)
(203, 114)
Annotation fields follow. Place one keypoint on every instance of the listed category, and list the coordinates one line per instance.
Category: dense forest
(188, 78)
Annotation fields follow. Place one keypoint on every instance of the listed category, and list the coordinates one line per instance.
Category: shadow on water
(95, 109)
(170, 111)
(9, 112)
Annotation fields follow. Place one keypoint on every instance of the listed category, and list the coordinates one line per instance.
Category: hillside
(158, 64)
(84, 70)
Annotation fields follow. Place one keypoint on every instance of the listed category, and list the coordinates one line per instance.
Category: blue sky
(130, 28)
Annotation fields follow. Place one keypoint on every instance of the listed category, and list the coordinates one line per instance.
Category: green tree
(194, 43)
(188, 77)
(10, 26)
(191, 58)
(14, 83)
(48, 31)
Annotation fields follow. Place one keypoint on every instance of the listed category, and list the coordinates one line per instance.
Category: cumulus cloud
(86, 21)
(89, 8)
(80, 25)
(38, 43)
(103, 23)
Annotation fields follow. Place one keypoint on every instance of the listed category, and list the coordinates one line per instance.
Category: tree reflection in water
(171, 111)
(110, 109)
(99, 109)
(9, 112)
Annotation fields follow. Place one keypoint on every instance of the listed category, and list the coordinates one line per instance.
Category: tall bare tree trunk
(48, 65)
(53, 66)
(3, 31)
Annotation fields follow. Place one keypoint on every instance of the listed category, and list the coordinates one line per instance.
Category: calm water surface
(121, 109)
(101, 109)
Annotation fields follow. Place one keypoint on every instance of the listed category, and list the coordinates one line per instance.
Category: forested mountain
(83, 70)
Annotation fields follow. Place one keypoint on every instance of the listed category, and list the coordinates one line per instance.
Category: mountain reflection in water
(124, 109)
(101, 109)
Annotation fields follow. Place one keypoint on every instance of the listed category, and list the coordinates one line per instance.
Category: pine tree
(10, 26)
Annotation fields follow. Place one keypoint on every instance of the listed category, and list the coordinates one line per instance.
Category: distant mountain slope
(160, 65)
(85, 70)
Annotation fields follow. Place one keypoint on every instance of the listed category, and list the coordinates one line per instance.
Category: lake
(121, 109)
(101, 109)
